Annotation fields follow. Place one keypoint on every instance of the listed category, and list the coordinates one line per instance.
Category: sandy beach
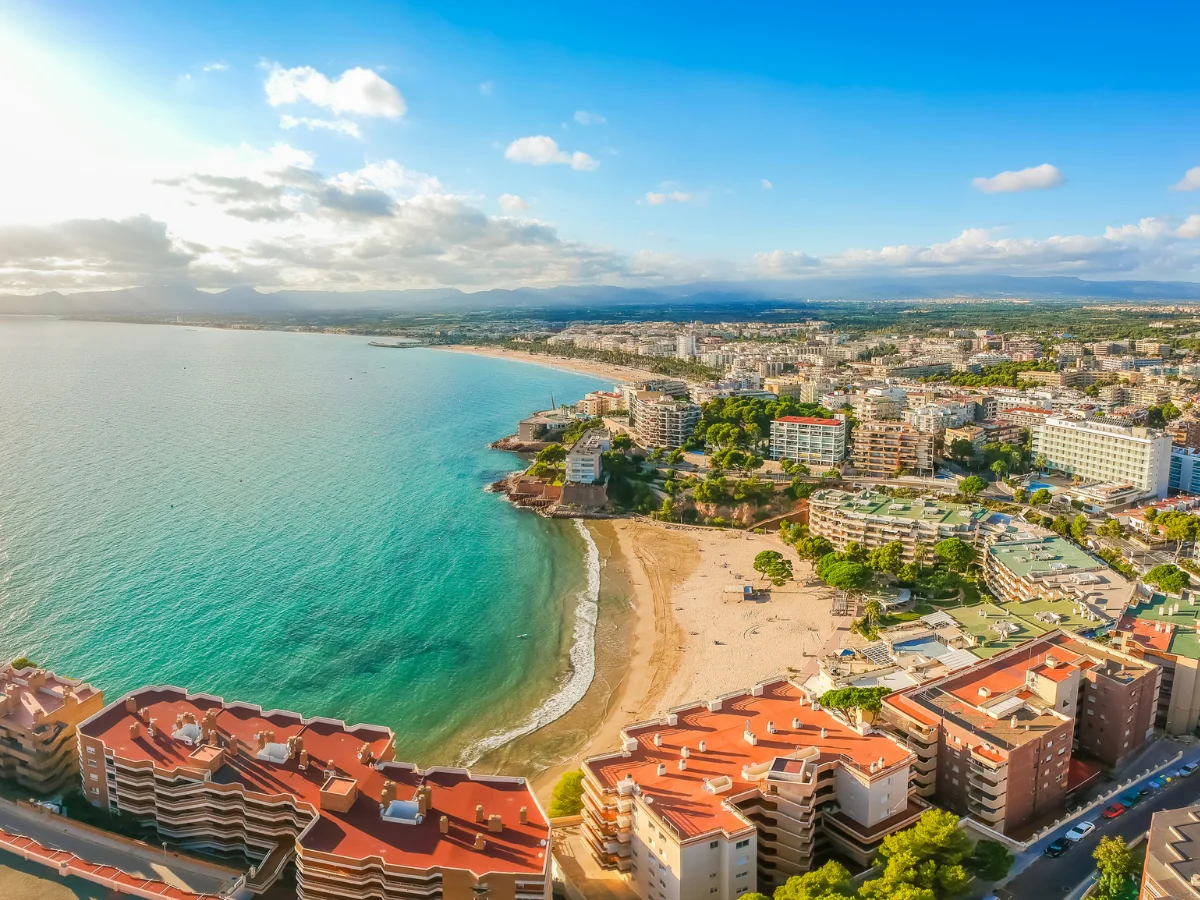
(615, 374)
(688, 638)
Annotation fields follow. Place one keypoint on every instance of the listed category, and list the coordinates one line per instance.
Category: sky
(365, 145)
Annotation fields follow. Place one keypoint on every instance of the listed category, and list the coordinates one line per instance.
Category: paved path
(146, 862)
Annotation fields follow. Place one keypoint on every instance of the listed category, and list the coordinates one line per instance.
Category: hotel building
(812, 441)
(883, 448)
(1102, 451)
(39, 713)
(1184, 473)
(873, 520)
(738, 794)
(1172, 867)
(278, 790)
(662, 421)
(995, 740)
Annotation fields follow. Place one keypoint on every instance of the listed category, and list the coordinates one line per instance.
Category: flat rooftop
(809, 420)
(36, 694)
(680, 798)
(1173, 850)
(919, 510)
(360, 832)
(1049, 555)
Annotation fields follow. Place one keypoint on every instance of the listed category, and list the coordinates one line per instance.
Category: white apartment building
(662, 421)
(685, 346)
(934, 418)
(812, 441)
(1102, 451)
(583, 459)
(879, 403)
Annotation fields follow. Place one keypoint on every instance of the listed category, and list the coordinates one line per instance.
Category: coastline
(616, 374)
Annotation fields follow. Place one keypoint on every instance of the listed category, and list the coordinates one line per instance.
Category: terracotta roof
(360, 832)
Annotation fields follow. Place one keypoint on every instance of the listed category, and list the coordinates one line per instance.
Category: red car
(1111, 812)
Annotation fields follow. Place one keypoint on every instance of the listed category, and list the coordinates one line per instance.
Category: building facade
(883, 448)
(39, 714)
(280, 790)
(812, 441)
(662, 421)
(584, 458)
(737, 794)
(1115, 454)
(1027, 566)
(873, 520)
(1172, 866)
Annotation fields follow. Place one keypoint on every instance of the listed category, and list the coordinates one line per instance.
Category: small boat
(522, 636)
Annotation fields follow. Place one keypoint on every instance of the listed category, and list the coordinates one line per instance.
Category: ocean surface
(292, 520)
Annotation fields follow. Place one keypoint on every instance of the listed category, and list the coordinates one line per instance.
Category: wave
(582, 663)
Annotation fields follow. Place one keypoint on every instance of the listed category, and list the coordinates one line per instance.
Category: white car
(1080, 831)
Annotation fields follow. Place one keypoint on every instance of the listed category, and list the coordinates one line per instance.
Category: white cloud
(583, 117)
(358, 91)
(511, 203)
(784, 262)
(656, 198)
(340, 126)
(1190, 180)
(1190, 229)
(540, 150)
(766, 185)
(215, 67)
(486, 88)
(1035, 178)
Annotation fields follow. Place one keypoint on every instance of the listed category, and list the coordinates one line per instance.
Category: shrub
(567, 798)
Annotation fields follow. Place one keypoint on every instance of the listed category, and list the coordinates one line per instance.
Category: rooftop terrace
(1050, 555)
(921, 510)
(333, 749)
(30, 695)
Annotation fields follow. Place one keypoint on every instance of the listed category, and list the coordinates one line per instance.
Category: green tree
(870, 699)
(957, 553)
(23, 662)
(990, 860)
(844, 574)
(908, 572)
(567, 797)
(1019, 495)
(961, 449)
(1116, 863)
(552, 455)
(710, 490)
(828, 882)
(813, 547)
(972, 485)
(772, 564)
(925, 861)
(856, 552)
(621, 441)
(1040, 462)
(1060, 525)
(667, 510)
(1079, 527)
(675, 457)
(873, 611)
(887, 558)
(800, 469)
(1168, 578)
(1040, 497)
(801, 489)
(1000, 467)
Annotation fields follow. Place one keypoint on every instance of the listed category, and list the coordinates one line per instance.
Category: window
(91, 763)
(741, 844)
(713, 845)
(92, 750)
(93, 777)
(741, 874)
(95, 790)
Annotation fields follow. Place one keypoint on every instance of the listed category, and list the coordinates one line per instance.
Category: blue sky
(874, 129)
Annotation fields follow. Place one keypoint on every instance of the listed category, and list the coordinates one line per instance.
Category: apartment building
(1026, 565)
(1029, 417)
(1101, 451)
(873, 520)
(812, 441)
(1163, 630)
(1184, 471)
(1185, 433)
(994, 740)
(673, 387)
(39, 714)
(879, 403)
(1172, 866)
(662, 421)
(737, 794)
(330, 799)
(1149, 395)
(883, 448)
(584, 457)
(600, 403)
(975, 434)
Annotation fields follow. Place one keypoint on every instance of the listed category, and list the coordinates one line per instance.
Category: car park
(1113, 810)
(1080, 831)
(1057, 847)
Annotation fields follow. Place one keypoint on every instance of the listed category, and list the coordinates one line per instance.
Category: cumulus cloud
(90, 253)
(357, 91)
(1190, 180)
(1190, 229)
(766, 185)
(338, 126)
(583, 117)
(540, 150)
(784, 262)
(1035, 178)
(658, 198)
(512, 203)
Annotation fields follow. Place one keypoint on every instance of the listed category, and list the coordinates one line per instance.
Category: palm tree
(873, 610)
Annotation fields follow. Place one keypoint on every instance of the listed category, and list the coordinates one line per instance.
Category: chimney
(364, 754)
(703, 746)
(495, 825)
(657, 740)
(389, 793)
(480, 843)
(134, 730)
(131, 704)
(1012, 722)
(444, 824)
(260, 739)
(422, 802)
(683, 765)
(824, 732)
(523, 815)
(662, 768)
(302, 763)
(684, 752)
(234, 746)
(142, 713)
(152, 728)
(795, 724)
(479, 812)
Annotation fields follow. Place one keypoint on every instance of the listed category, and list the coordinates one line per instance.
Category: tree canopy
(972, 485)
(774, 565)
(839, 571)
(829, 882)
(567, 798)
(957, 553)
(1168, 578)
(887, 558)
(1116, 863)
(870, 699)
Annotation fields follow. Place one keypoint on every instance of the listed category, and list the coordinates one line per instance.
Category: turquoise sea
(293, 520)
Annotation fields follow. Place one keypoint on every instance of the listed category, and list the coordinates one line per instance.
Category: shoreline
(606, 371)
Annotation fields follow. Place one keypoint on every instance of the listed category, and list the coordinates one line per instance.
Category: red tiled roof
(680, 798)
(1142, 631)
(360, 832)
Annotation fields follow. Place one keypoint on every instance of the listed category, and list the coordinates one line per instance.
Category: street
(1052, 879)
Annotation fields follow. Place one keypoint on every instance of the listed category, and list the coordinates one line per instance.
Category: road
(1053, 879)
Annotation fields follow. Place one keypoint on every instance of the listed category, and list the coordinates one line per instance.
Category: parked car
(1057, 847)
(1130, 798)
(1113, 810)
(1080, 831)
(1154, 784)
(1189, 769)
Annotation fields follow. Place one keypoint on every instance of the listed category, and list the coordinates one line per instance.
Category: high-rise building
(39, 713)
(883, 448)
(662, 421)
(280, 790)
(583, 459)
(812, 441)
(737, 794)
(1106, 452)
(873, 520)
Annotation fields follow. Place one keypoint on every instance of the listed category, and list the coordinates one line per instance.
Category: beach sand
(687, 638)
(615, 374)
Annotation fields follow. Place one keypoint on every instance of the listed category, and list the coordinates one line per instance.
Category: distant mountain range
(165, 299)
